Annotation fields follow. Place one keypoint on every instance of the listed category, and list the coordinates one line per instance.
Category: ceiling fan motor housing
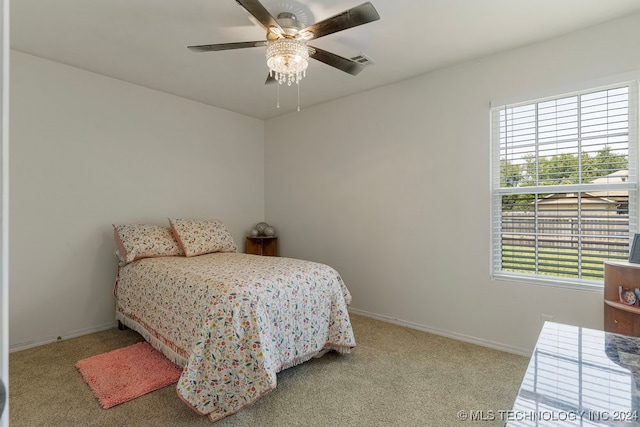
(289, 24)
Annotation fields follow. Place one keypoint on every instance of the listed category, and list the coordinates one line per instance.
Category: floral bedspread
(234, 320)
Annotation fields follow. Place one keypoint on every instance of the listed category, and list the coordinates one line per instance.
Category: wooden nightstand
(262, 245)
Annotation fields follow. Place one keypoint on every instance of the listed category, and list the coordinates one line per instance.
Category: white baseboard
(35, 343)
(441, 332)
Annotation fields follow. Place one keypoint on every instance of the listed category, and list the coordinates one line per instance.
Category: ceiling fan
(287, 50)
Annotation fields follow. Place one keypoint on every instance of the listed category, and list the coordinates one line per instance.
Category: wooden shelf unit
(620, 318)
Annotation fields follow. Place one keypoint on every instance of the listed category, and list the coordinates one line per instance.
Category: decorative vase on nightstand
(269, 231)
(261, 226)
(262, 229)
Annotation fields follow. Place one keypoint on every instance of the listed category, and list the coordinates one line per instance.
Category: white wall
(391, 187)
(88, 151)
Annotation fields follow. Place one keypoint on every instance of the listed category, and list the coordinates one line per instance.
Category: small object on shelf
(262, 229)
(628, 297)
(269, 231)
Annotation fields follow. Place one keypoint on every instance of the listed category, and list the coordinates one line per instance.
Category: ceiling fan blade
(225, 46)
(353, 17)
(270, 79)
(336, 61)
(255, 8)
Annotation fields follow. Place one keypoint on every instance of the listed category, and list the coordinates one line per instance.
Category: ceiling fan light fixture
(288, 60)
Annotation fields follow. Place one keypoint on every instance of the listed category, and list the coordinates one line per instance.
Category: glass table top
(579, 377)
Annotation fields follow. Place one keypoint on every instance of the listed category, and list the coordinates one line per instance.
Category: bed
(233, 320)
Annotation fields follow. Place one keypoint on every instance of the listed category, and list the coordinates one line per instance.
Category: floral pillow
(136, 241)
(198, 237)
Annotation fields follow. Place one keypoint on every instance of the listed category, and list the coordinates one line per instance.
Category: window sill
(584, 285)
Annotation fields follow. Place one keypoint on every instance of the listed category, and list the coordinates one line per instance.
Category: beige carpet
(395, 377)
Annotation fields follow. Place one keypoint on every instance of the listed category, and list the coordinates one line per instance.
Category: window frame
(632, 185)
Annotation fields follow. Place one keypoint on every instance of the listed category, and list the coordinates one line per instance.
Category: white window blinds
(564, 183)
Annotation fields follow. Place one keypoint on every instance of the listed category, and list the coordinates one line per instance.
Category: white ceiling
(144, 41)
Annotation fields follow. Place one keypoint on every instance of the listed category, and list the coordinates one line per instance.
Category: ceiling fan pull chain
(298, 95)
(278, 99)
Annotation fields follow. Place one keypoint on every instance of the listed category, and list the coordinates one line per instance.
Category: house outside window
(564, 185)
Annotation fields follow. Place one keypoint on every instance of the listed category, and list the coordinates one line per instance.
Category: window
(564, 184)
